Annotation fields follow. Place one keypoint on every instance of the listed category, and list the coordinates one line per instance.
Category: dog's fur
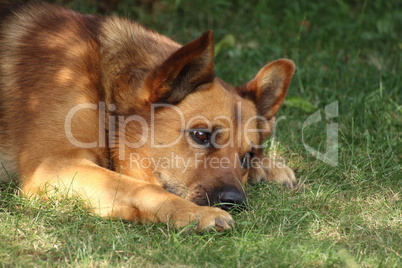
(77, 92)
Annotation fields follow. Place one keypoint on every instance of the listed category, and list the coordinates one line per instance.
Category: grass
(348, 215)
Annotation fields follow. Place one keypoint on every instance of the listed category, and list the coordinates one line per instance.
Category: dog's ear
(268, 88)
(186, 69)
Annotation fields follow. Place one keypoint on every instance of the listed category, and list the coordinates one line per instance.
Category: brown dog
(129, 120)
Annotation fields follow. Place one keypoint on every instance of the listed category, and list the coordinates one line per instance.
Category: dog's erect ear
(268, 88)
(186, 69)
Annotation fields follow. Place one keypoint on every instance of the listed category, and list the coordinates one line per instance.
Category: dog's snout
(231, 197)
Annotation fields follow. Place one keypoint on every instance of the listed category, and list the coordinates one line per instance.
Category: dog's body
(128, 119)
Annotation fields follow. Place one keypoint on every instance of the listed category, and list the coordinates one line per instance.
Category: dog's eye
(246, 160)
(201, 137)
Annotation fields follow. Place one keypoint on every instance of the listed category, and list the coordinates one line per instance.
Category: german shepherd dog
(130, 121)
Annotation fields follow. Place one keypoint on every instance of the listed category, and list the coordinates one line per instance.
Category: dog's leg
(111, 194)
(268, 169)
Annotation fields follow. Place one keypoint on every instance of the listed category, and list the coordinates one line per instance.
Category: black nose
(230, 197)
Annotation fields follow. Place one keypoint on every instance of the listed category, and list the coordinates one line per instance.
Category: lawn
(347, 211)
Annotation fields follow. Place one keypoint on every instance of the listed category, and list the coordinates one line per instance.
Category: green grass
(349, 215)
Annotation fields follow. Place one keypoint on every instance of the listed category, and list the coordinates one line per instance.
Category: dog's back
(43, 55)
(6, 156)
(52, 59)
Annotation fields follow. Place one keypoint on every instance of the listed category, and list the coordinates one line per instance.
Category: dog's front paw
(282, 174)
(204, 219)
(268, 169)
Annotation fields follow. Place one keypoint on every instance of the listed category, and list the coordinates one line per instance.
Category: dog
(135, 124)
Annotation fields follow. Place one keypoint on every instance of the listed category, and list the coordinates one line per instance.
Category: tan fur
(77, 92)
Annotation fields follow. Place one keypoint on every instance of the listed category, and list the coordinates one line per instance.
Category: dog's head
(203, 134)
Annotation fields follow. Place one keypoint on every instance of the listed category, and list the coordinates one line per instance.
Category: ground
(344, 214)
